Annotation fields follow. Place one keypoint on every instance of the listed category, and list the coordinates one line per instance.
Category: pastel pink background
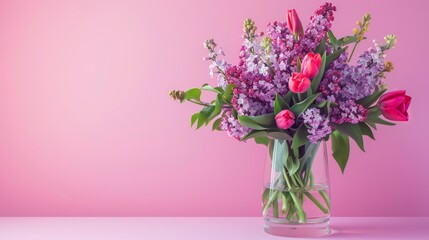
(87, 127)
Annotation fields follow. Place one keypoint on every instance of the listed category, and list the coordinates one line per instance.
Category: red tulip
(299, 83)
(294, 23)
(311, 64)
(394, 105)
(285, 119)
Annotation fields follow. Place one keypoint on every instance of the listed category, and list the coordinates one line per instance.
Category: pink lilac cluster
(259, 75)
(231, 125)
(350, 112)
(317, 123)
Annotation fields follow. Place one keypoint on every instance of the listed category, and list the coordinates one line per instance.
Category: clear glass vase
(296, 196)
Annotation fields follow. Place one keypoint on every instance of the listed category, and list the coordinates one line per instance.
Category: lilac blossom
(348, 112)
(319, 126)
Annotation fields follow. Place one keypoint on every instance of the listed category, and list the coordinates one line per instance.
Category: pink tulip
(299, 83)
(311, 64)
(294, 23)
(285, 119)
(394, 105)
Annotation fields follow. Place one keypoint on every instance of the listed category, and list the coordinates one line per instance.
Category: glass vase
(296, 195)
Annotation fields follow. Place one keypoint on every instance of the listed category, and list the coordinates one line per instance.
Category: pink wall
(87, 127)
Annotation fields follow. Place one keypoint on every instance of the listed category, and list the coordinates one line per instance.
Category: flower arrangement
(297, 84)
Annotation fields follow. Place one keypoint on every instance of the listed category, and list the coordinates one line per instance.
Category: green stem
(285, 202)
(353, 51)
(276, 208)
(326, 198)
(318, 204)
(311, 179)
(205, 104)
(301, 213)
(273, 197)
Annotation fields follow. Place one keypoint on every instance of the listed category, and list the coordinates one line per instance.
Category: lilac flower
(231, 125)
(349, 112)
(318, 124)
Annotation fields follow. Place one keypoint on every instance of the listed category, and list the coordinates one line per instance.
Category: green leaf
(366, 130)
(340, 149)
(347, 40)
(204, 115)
(351, 130)
(333, 56)
(194, 118)
(216, 125)
(291, 165)
(322, 45)
(332, 38)
(373, 125)
(227, 95)
(262, 140)
(260, 122)
(371, 99)
(193, 93)
(300, 107)
(288, 97)
(374, 117)
(218, 107)
(207, 87)
(298, 65)
(300, 137)
(253, 134)
(316, 80)
(325, 106)
(279, 134)
(280, 104)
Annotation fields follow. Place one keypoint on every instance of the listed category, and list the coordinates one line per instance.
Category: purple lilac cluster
(364, 78)
(319, 25)
(348, 111)
(319, 126)
(231, 125)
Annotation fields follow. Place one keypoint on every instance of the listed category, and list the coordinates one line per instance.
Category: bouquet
(294, 87)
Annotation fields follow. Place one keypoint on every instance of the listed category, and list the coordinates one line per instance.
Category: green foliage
(366, 130)
(280, 104)
(374, 117)
(333, 56)
(207, 87)
(332, 39)
(194, 118)
(292, 165)
(262, 140)
(340, 149)
(204, 115)
(316, 80)
(260, 122)
(300, 107)
(192, 94)
(216, 125)
(300, 137)
(347, 40)
(321, 47)
(368, 101)
(351, 130)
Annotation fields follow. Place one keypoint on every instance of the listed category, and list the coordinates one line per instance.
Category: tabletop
(205, 228)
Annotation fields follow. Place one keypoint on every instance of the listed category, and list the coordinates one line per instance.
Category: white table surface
(204, 228)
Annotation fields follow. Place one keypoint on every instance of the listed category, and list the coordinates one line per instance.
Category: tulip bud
(294, 23)
(285, 119)
(310, 64)
(299, 83)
